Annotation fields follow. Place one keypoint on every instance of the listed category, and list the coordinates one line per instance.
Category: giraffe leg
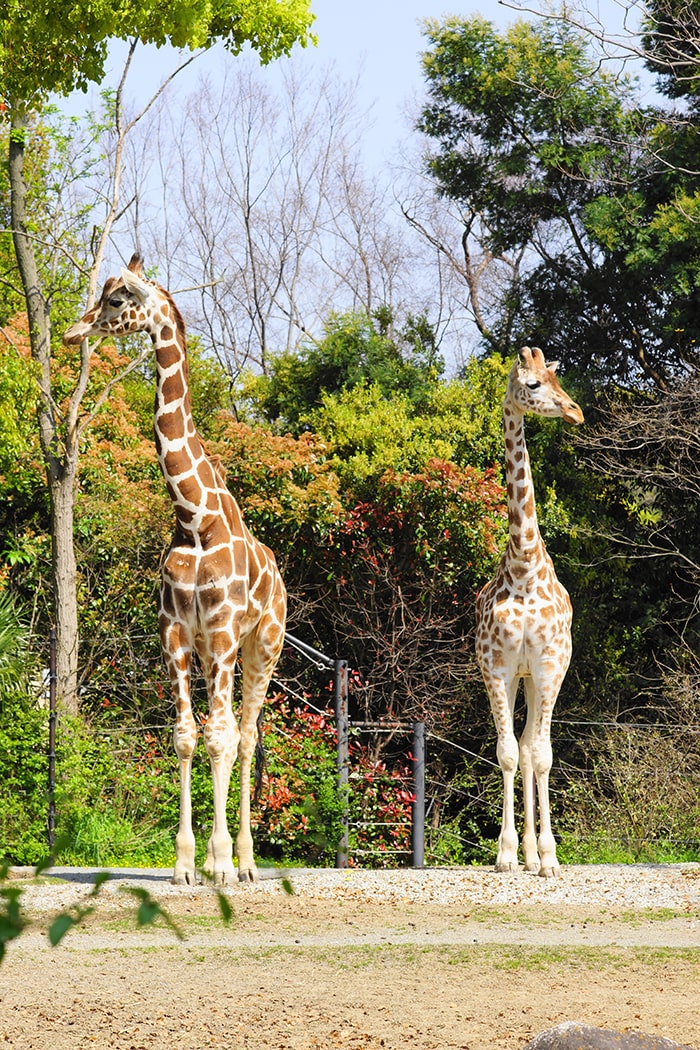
(221, 741)
(260, 652)
(178, 656)
(502, 698)
(529, 841)
(546, 687)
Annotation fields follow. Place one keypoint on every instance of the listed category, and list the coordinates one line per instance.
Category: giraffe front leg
(507, 752)
(547, 687)
(185, 868)
(502, 698)
(177, 657)
(221, 740)
(546, 845)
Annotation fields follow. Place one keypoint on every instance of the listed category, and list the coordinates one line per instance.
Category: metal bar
(51, 823)
(341, 723)
(308, 650)
(418, 829)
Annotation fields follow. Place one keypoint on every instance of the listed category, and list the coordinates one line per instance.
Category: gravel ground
(627, 886)
(440, 959)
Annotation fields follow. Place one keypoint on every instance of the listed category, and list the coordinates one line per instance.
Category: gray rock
(574, 1036)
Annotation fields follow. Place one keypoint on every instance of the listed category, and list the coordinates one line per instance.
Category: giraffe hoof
(549, 871)
(507, 866)
(247, 875)
(184, 878)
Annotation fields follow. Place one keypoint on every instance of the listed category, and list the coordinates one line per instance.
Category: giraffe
(221, 590)
(523, 624)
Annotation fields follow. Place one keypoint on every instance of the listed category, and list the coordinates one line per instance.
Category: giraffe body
(221, 591)
(523, 625)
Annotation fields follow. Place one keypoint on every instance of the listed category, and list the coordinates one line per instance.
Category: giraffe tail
(260, 761)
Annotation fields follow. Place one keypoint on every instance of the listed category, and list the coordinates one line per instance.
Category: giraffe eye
(116, 302)
(533, 384)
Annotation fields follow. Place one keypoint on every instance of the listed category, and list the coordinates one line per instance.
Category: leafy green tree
(671, 29)
(553, 162)
(57, 48)
(355, 350)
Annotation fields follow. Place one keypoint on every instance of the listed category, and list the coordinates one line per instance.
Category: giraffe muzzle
(571, 413)
(76, 333)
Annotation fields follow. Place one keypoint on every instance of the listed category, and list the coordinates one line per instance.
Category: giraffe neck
(191, 480)
(524, 534)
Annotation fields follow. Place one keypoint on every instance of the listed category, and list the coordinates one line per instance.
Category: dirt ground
(429, 964)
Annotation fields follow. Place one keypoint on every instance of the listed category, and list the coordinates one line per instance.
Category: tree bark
(60, 456)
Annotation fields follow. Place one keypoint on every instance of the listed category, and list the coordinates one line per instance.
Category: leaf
(149, 910)
(100, 879)
(60, 927)
(225, 907)
(287, 887)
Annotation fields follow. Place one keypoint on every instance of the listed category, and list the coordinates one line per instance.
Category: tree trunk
(60, 451)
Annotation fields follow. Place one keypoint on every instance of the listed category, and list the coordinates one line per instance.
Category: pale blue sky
(381, 41)
(374, 42)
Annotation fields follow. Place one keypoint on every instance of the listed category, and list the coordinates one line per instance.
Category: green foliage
(301, 810)
(13, 922)
(355, 351)
(589, 195)
(23, 746)
(514, 113)
(368, 433)
(55, 47)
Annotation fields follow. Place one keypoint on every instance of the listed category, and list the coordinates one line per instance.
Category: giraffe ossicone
(523, 625)
(221, 591)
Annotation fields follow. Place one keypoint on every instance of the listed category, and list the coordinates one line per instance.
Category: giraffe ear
(552, 366)
(135, 284)
(136, 264)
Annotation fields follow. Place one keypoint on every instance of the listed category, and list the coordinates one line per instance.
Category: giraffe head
(127, 304)
(534, 387)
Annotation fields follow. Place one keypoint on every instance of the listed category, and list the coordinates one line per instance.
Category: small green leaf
(60, 927)
(100, 879)
(225, 908)
(287, 887)
(149, 910)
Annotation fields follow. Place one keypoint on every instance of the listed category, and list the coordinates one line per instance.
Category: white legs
(534, 755)
(224, 742)
(221, 741)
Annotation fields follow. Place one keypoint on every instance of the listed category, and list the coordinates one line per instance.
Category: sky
(381, 42)
(374, 42)
(377, 43)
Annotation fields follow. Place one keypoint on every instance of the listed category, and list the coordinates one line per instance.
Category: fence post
(51, 823)
(340, 668)
(418, 829)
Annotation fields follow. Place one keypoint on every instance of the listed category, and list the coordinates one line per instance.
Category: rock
(574, 1036)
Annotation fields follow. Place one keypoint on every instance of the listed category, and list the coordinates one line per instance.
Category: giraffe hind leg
(260, 653)
(541, 697)
(221, 741)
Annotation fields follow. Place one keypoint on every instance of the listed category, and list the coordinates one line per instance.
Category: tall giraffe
(523, 624)
(221, 589)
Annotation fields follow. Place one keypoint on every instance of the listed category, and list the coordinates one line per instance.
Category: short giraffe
(221, 589)
(523, 624)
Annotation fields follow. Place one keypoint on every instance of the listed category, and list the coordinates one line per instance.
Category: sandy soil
(464, 959)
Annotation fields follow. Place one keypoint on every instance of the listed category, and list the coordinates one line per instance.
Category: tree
(59, 48)
(355, 350)
(269, 202)
(548, 157)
